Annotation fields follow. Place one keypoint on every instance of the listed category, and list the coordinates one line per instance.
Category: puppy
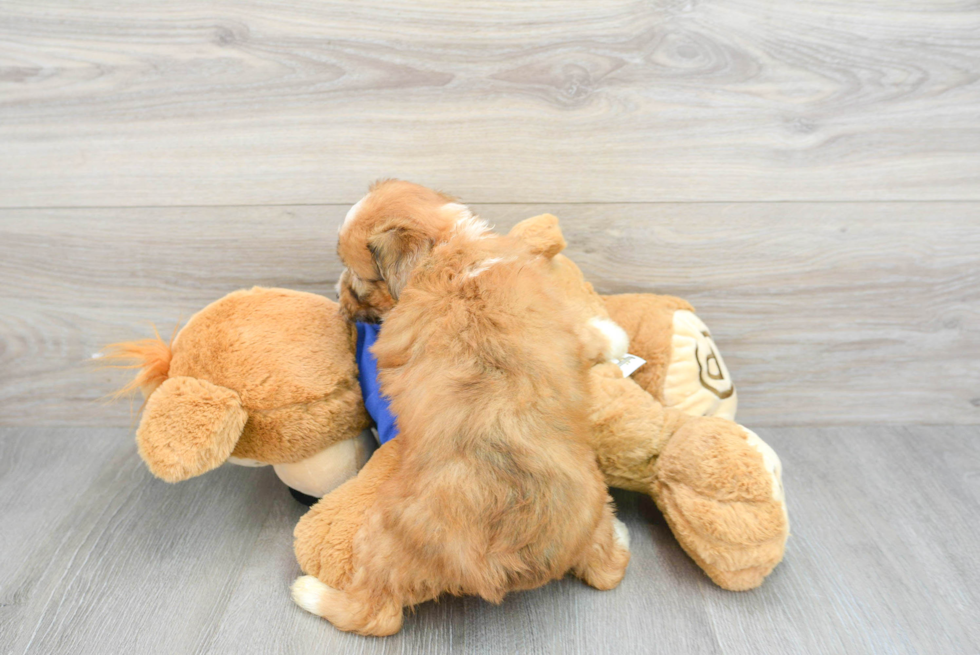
(385, 234)
(486, 368)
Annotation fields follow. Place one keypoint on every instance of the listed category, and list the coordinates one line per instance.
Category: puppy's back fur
(497, 489)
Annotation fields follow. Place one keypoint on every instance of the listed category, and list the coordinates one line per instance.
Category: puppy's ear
(396, 252)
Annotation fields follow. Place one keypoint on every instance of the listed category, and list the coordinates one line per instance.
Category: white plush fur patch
(619, 341)
(771, 461)
(323, 472)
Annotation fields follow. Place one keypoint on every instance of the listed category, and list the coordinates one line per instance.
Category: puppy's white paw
(621, 533)
(308, 592)
(618, 340)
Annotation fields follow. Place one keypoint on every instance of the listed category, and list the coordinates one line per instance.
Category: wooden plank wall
(807, 174)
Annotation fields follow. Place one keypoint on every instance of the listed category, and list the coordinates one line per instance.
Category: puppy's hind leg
(603, 563)
(366, 614)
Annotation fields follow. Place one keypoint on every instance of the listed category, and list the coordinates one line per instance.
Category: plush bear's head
(264, 376)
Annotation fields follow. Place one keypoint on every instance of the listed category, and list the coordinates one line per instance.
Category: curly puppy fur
(497, 489)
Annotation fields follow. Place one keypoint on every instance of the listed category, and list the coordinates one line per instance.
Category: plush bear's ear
(541, 233)
(189, 427)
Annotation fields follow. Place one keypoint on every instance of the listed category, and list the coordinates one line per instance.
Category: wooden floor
(806, 173)
(97, 556)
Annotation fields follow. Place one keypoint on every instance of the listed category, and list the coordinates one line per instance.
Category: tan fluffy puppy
(497, 488)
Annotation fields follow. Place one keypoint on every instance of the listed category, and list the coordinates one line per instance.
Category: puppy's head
(383, 238)
(365, 301)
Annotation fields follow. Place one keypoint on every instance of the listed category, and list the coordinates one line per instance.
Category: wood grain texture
(826, 313)
(271, 102)
(96, 581)
(882, 559)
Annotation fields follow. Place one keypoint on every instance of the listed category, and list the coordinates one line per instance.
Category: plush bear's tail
(150, 356)
(346, 612)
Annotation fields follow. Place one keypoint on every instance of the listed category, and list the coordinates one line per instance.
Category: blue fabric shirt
(378, 406)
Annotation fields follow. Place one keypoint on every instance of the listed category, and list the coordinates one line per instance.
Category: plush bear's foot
(720, 489)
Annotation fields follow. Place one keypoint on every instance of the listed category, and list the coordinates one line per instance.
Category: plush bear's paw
(720, 489)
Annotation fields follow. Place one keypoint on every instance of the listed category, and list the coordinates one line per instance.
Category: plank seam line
(519, 202)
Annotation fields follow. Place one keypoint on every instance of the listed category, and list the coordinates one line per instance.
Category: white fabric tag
(628, 364)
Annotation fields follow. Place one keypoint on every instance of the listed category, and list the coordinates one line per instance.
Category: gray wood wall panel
(881, 559)
(272, 102)
(827, 313)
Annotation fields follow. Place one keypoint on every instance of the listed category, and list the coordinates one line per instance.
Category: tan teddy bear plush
(261, 376)
(267, 376)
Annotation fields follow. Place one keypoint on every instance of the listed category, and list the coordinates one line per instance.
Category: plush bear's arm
(718, 485)
(629, 429)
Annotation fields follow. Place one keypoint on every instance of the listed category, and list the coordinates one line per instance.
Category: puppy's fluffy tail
(151, 356)
(345, 611)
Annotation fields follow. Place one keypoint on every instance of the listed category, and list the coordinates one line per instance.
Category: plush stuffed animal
(718, 484)
(261, 376)
(267, 376)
